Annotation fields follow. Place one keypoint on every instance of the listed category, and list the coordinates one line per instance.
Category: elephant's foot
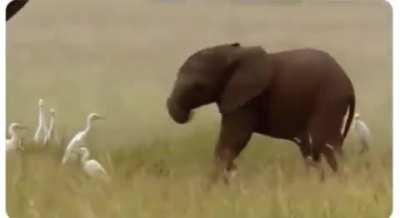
(316, 165)
(329, 153)
(230, 173)
(309, 163)
(321, 172)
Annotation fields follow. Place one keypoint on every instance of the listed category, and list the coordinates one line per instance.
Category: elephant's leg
(304, 141)
(329, 153)
(312, 155)
(319, 133)
(306, 154)
(323, 147)
(340, 116)
(327, 127)
(231, 143)
(320, 147)
(224, 163)
(314, 161)
(311, 152)
(236, 130)
(303, 145)
(335, 142)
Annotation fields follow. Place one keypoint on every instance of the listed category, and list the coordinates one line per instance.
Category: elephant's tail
(352, 104)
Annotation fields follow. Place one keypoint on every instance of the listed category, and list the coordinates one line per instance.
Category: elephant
(302, 95)
(13, 7)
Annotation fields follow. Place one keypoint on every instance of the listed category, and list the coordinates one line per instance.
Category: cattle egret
(41, 130)
(92, 167)
(363, 133)
(79, 140)
(50, 136)
(15, 142)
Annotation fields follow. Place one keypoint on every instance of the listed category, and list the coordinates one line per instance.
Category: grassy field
(120, 59)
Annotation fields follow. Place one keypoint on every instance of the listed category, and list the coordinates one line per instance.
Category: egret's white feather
(93, 168)
(72, 150)
(79, 140)
(51, 133)
(41, 131)
(15, 140)
(362, 132)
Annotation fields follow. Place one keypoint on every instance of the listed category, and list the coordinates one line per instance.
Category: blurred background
(120, 59)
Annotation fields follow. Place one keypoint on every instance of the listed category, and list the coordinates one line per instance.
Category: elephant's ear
(249, 78)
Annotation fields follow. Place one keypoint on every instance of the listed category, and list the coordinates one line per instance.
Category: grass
(153, 181)
(120, 60)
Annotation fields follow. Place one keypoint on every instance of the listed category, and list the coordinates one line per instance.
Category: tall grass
(153, 181)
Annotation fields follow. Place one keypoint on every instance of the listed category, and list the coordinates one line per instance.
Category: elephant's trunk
(179, 114)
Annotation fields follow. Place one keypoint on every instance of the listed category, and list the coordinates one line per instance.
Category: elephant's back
(300, 78)
(307, 68)
(305, 62)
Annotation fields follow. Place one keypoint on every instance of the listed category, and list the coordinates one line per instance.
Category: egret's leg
(364, 146)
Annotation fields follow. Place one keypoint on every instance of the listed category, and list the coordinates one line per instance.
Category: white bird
(41, 130)
(363, 133)
(51, 136)
(79, 140)
(92, 167)
(15, 142)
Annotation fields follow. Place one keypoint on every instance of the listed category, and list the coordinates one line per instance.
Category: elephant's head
(230, 75)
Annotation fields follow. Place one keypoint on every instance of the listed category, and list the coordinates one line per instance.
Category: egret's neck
(41, 116)
(84, 157)
(88, 125)
(14, 135)
(52, 118)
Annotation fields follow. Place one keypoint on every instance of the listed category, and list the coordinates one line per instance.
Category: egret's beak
(101, 117)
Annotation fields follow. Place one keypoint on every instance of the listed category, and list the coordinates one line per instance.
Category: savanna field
(120, 59)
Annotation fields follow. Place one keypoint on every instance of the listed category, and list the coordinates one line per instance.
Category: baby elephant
(299, 95)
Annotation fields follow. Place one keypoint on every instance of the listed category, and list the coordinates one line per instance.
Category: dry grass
(120, 60)
(154, 181)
